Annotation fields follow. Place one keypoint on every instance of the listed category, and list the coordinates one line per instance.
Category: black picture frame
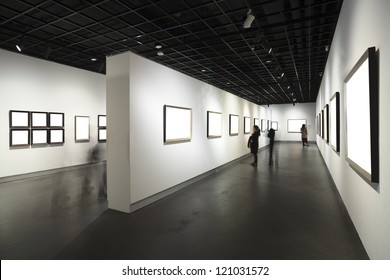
(102, 121)
(362, 85)
(234, 124)
(335, 122)
(19, 138)
(39, 137)
(326, 123)
(39, 119)
(19, 119)
(56, 136)
(102, 135)
(56, 120)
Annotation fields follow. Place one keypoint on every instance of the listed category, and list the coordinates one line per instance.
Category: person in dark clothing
(271, 136)
(304, 135)
(253, 143)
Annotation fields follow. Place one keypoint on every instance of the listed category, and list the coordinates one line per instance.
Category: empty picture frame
(274, 125)
(322, 124)
(263, 127)
(19, 119)
(19, 137)
(39, 137)
(247, 125)
(56, 119)
(256, 122)
(177, 124)
(38, 119)
(326, 123)
(295, 125)
(102, 120)
(81, 128)
(362, 117)
(214, 124)
(56, 136)
(335, 122)
(102, 135)
(233, 124)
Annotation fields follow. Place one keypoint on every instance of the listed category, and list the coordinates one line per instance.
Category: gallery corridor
(289, 210)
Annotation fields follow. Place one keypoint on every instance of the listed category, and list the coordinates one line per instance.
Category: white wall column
(118, 131)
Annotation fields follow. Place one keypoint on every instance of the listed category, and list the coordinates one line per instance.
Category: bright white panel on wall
(39, 136)
(294, 126)
(233, 124)
(177, 124)
(81, 128)
(333, 123)
(56, 119)
(19, 137)
(19, 119)
(263, 125)
(56, 136)
(38, 119)
(274, 125)
(358, 118)
(256, 122)
(326, 125)
(102, 137)
(102, 121)
(214, 125)
(247, 125)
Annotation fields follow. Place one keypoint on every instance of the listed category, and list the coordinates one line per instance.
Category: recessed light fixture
(93, 59)
(160, 53)
(282, 75)
(288, 87)
(158, 46)
(268, 61)
(204, 70)
(19, 48)
(270, 50)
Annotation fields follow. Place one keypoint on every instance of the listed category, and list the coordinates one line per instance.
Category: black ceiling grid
(279, 59)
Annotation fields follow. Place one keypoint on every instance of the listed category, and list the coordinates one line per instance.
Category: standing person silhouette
(253, 144)
(304, 135)
(271, 136)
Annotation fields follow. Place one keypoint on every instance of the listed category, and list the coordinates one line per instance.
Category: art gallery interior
(129, 153)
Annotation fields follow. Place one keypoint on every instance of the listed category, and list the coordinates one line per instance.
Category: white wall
(283, 112)
(31, 84)
(155, 166)
(362, 24)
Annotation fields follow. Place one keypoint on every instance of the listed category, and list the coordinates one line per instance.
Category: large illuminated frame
(263, 127)
(177, 124)
(214, 124)
(81, 128)
(247, 125)
(294, 126)
(326, 123)
(335, 122)
(361, 115)
(233, 124)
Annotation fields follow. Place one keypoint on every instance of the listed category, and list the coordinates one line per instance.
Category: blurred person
(304, 135)
(271, 136)
(253, 144)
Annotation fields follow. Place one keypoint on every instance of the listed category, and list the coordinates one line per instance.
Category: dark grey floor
(290, 210)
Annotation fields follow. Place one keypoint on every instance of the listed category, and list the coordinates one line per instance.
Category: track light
(160, 53)
(21, 44)
(249, 19)
(270, 50)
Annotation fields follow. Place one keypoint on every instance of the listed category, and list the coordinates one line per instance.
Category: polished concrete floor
(289, 210)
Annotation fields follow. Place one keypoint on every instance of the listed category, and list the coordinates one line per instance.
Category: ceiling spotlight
(160, 53)
(249, 19)
(203, 70)
(158, 46)
(93, 59)
(327, 48)
(20, 44)
(288, 87)
(282, 75)
(270, 50)
(18, 47)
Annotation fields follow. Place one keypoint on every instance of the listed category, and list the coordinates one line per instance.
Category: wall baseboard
(154, 198)
(47, 172)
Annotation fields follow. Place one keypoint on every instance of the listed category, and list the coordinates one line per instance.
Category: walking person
(304, 135)
(253, 144)
(271, 136)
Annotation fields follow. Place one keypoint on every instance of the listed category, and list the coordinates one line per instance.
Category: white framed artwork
(177, 124)
(82, 128)
(214, 124)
